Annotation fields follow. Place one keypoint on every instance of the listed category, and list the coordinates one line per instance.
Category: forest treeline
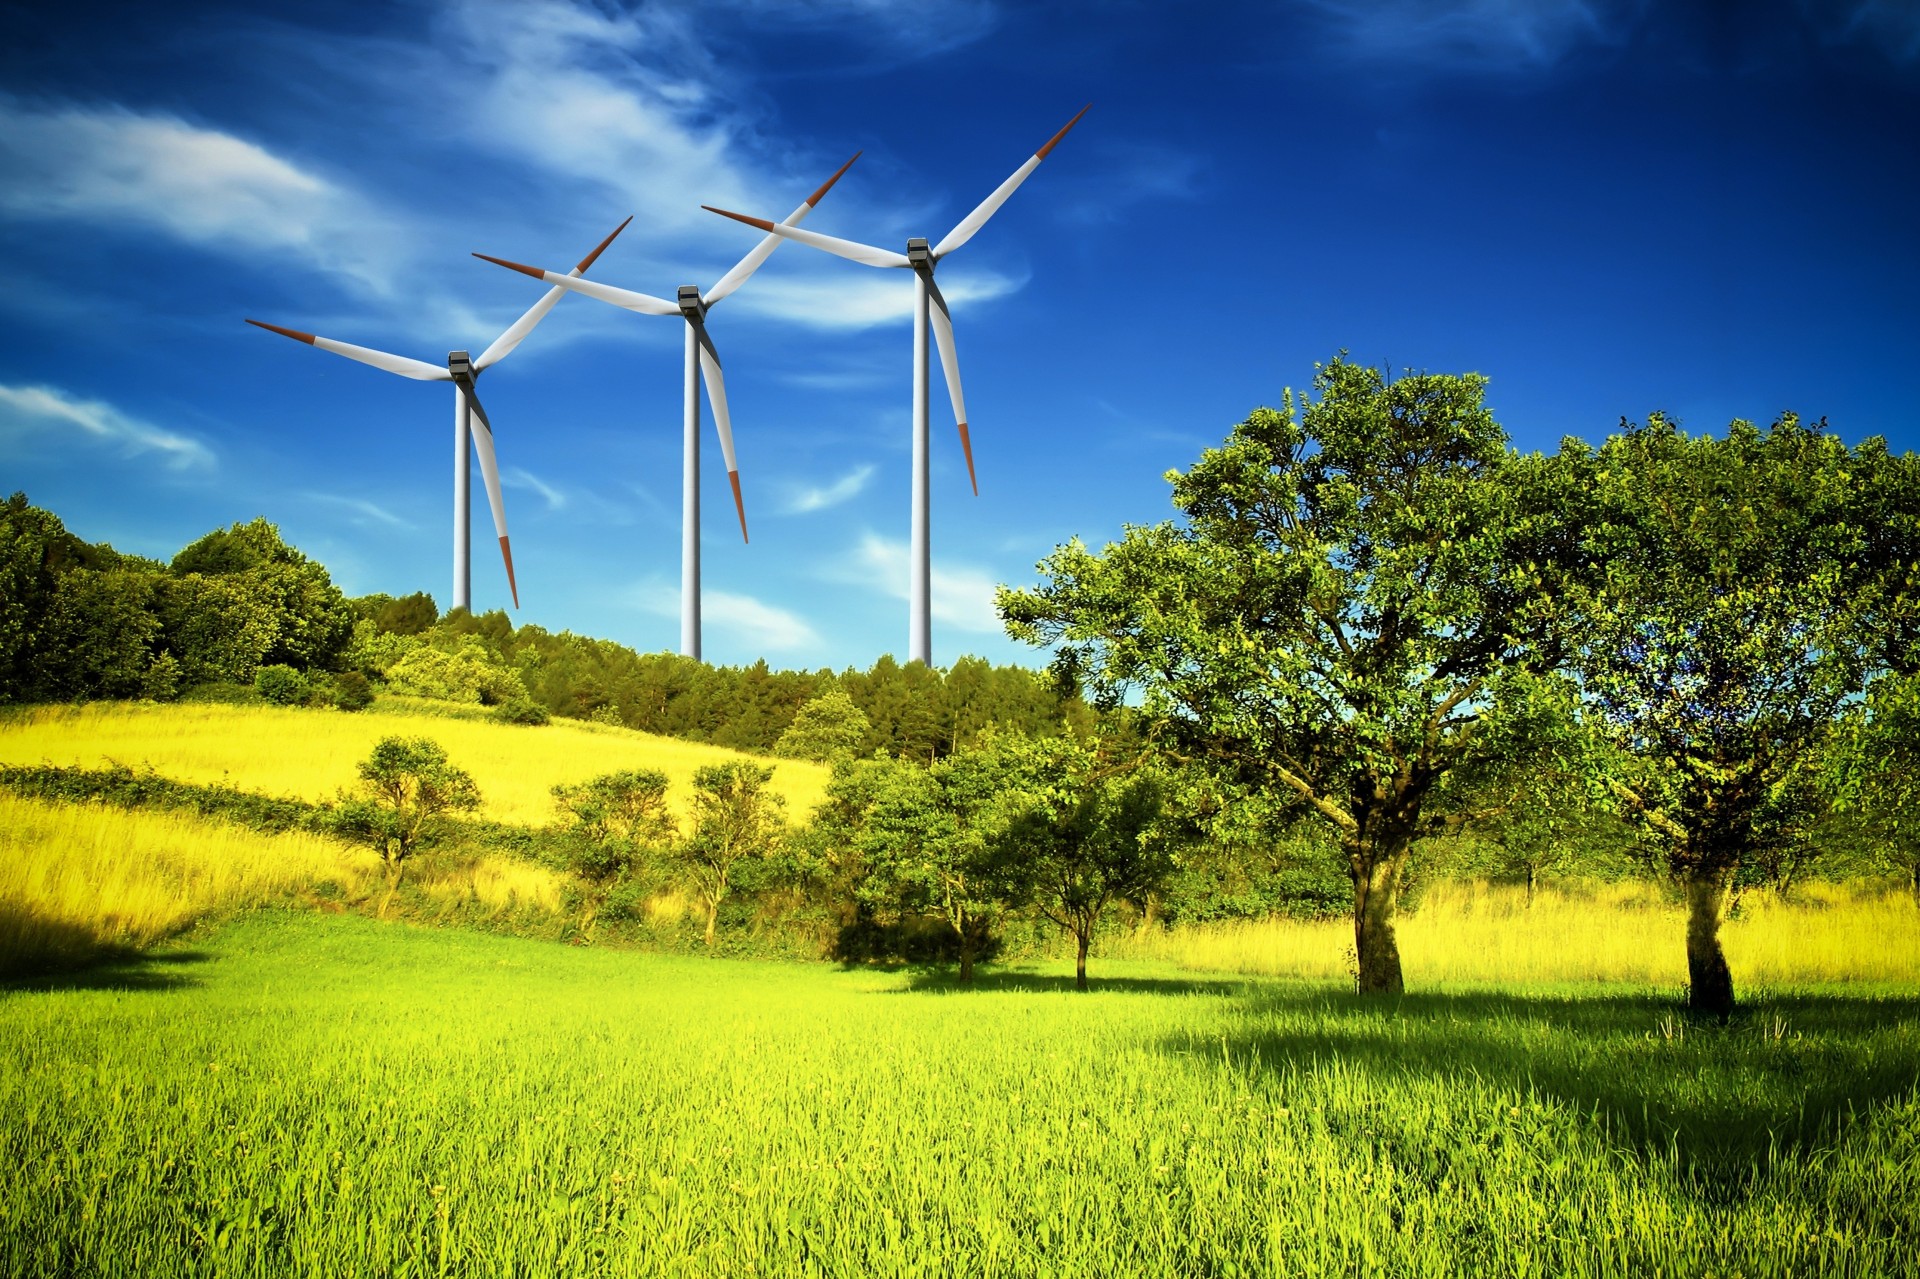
(240, 614)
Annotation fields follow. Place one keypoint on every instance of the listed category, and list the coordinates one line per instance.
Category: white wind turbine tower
(701, 359)
(922, 260)
(461, 371)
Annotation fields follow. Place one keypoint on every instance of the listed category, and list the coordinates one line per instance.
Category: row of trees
(1376, 614)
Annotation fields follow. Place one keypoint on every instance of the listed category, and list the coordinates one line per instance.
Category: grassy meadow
(262, 1080)
(302, 1094)
(310, 754)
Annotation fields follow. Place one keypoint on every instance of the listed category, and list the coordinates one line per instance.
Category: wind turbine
(461, 370)
(701, 358)
(921, 260)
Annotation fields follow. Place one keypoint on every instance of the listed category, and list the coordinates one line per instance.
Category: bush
(282, 685)
(162, 681)
(351, 692)
(522, 710)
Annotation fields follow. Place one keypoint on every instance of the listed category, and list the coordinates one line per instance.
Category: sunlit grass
(306, 1095)
(79, 879)
(310, 754)
(1486, 935)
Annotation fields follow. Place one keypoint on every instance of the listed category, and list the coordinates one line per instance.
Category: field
(312, 1095)
(310, 754)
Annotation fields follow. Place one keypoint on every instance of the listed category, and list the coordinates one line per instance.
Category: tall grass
(331, 1096)
(1467, 935)
(310, 754)
(76, 880)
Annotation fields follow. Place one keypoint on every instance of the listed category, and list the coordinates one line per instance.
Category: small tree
(736, 818)
(932, 843)
(825, 728)
(1084, 831)
(1874, 772)
(619, 820)
(408, 786)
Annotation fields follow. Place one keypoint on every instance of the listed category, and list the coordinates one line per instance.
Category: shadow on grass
(946, 980)
(1724, 1102)
(39, 953)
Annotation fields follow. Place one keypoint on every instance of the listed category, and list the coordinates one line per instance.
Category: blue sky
(1607, 208)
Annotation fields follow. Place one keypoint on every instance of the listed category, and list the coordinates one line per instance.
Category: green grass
(305, 1095)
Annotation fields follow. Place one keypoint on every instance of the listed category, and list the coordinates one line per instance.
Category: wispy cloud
(806, 499)
(1497, 36)
(520, 478)
(38, 410)
(1134, 173)
(962, 594)
(1892, 26)
(847, 301)
(361, 512)
(212, 189)
(750, 622)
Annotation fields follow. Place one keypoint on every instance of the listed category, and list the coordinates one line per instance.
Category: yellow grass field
(310, 754)
(1465, 935)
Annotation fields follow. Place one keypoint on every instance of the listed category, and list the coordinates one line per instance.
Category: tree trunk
(1083, 937)
(1709, 982)
(1916, 885)
(1530, 879)
(713, 915)
(1376, 952)
(966, 955)
(394, 871)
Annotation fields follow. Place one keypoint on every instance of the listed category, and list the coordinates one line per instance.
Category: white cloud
(364, 514)
(1475, 35)
(112, 165)
(750, 623)
(807, 499)
(848, 301)
(40, 409)
(520, 478)
(962, 595)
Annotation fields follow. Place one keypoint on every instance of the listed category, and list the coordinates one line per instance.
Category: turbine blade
(762, 251)
(950, 366)
(863, 253)
(989, 206)
(419, 370)
(722, 420)
(627, 299)
(516, 333)
(490, 475)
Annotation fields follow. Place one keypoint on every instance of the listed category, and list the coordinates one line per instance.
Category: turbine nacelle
(460, 365)
(920, 255)
(691, 304)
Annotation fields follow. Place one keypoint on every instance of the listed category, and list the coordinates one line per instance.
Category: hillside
(310, 754)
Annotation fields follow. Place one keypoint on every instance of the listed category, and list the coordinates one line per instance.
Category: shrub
(162, 680)
(351, 692)
(522, 710)
(282, 685)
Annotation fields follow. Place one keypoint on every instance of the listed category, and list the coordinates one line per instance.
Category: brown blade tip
(966, 446)
(762, 223)
(1054, 141)
(523, 269)
(828, 184)
(295, 334)
(600, 248)
(506, 556)
(733, 478)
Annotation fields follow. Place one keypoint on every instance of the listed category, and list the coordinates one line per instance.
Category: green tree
(312, 621)
(932, 842)
(1874, 773)
(96, 637)
(620, 822)
(1085, 830)
(1350, 613)
(737, 818)
(827, 727)
(408, 786)
(218, 629)
(1744, 601)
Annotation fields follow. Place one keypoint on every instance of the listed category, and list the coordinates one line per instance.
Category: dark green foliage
(311, 621)
(1745, 594)
(1347, 617)
(282, 686)
(738, 827)
(618, 826)
(407, 615)
(522, 710)
(124, 787)
(351, 691)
